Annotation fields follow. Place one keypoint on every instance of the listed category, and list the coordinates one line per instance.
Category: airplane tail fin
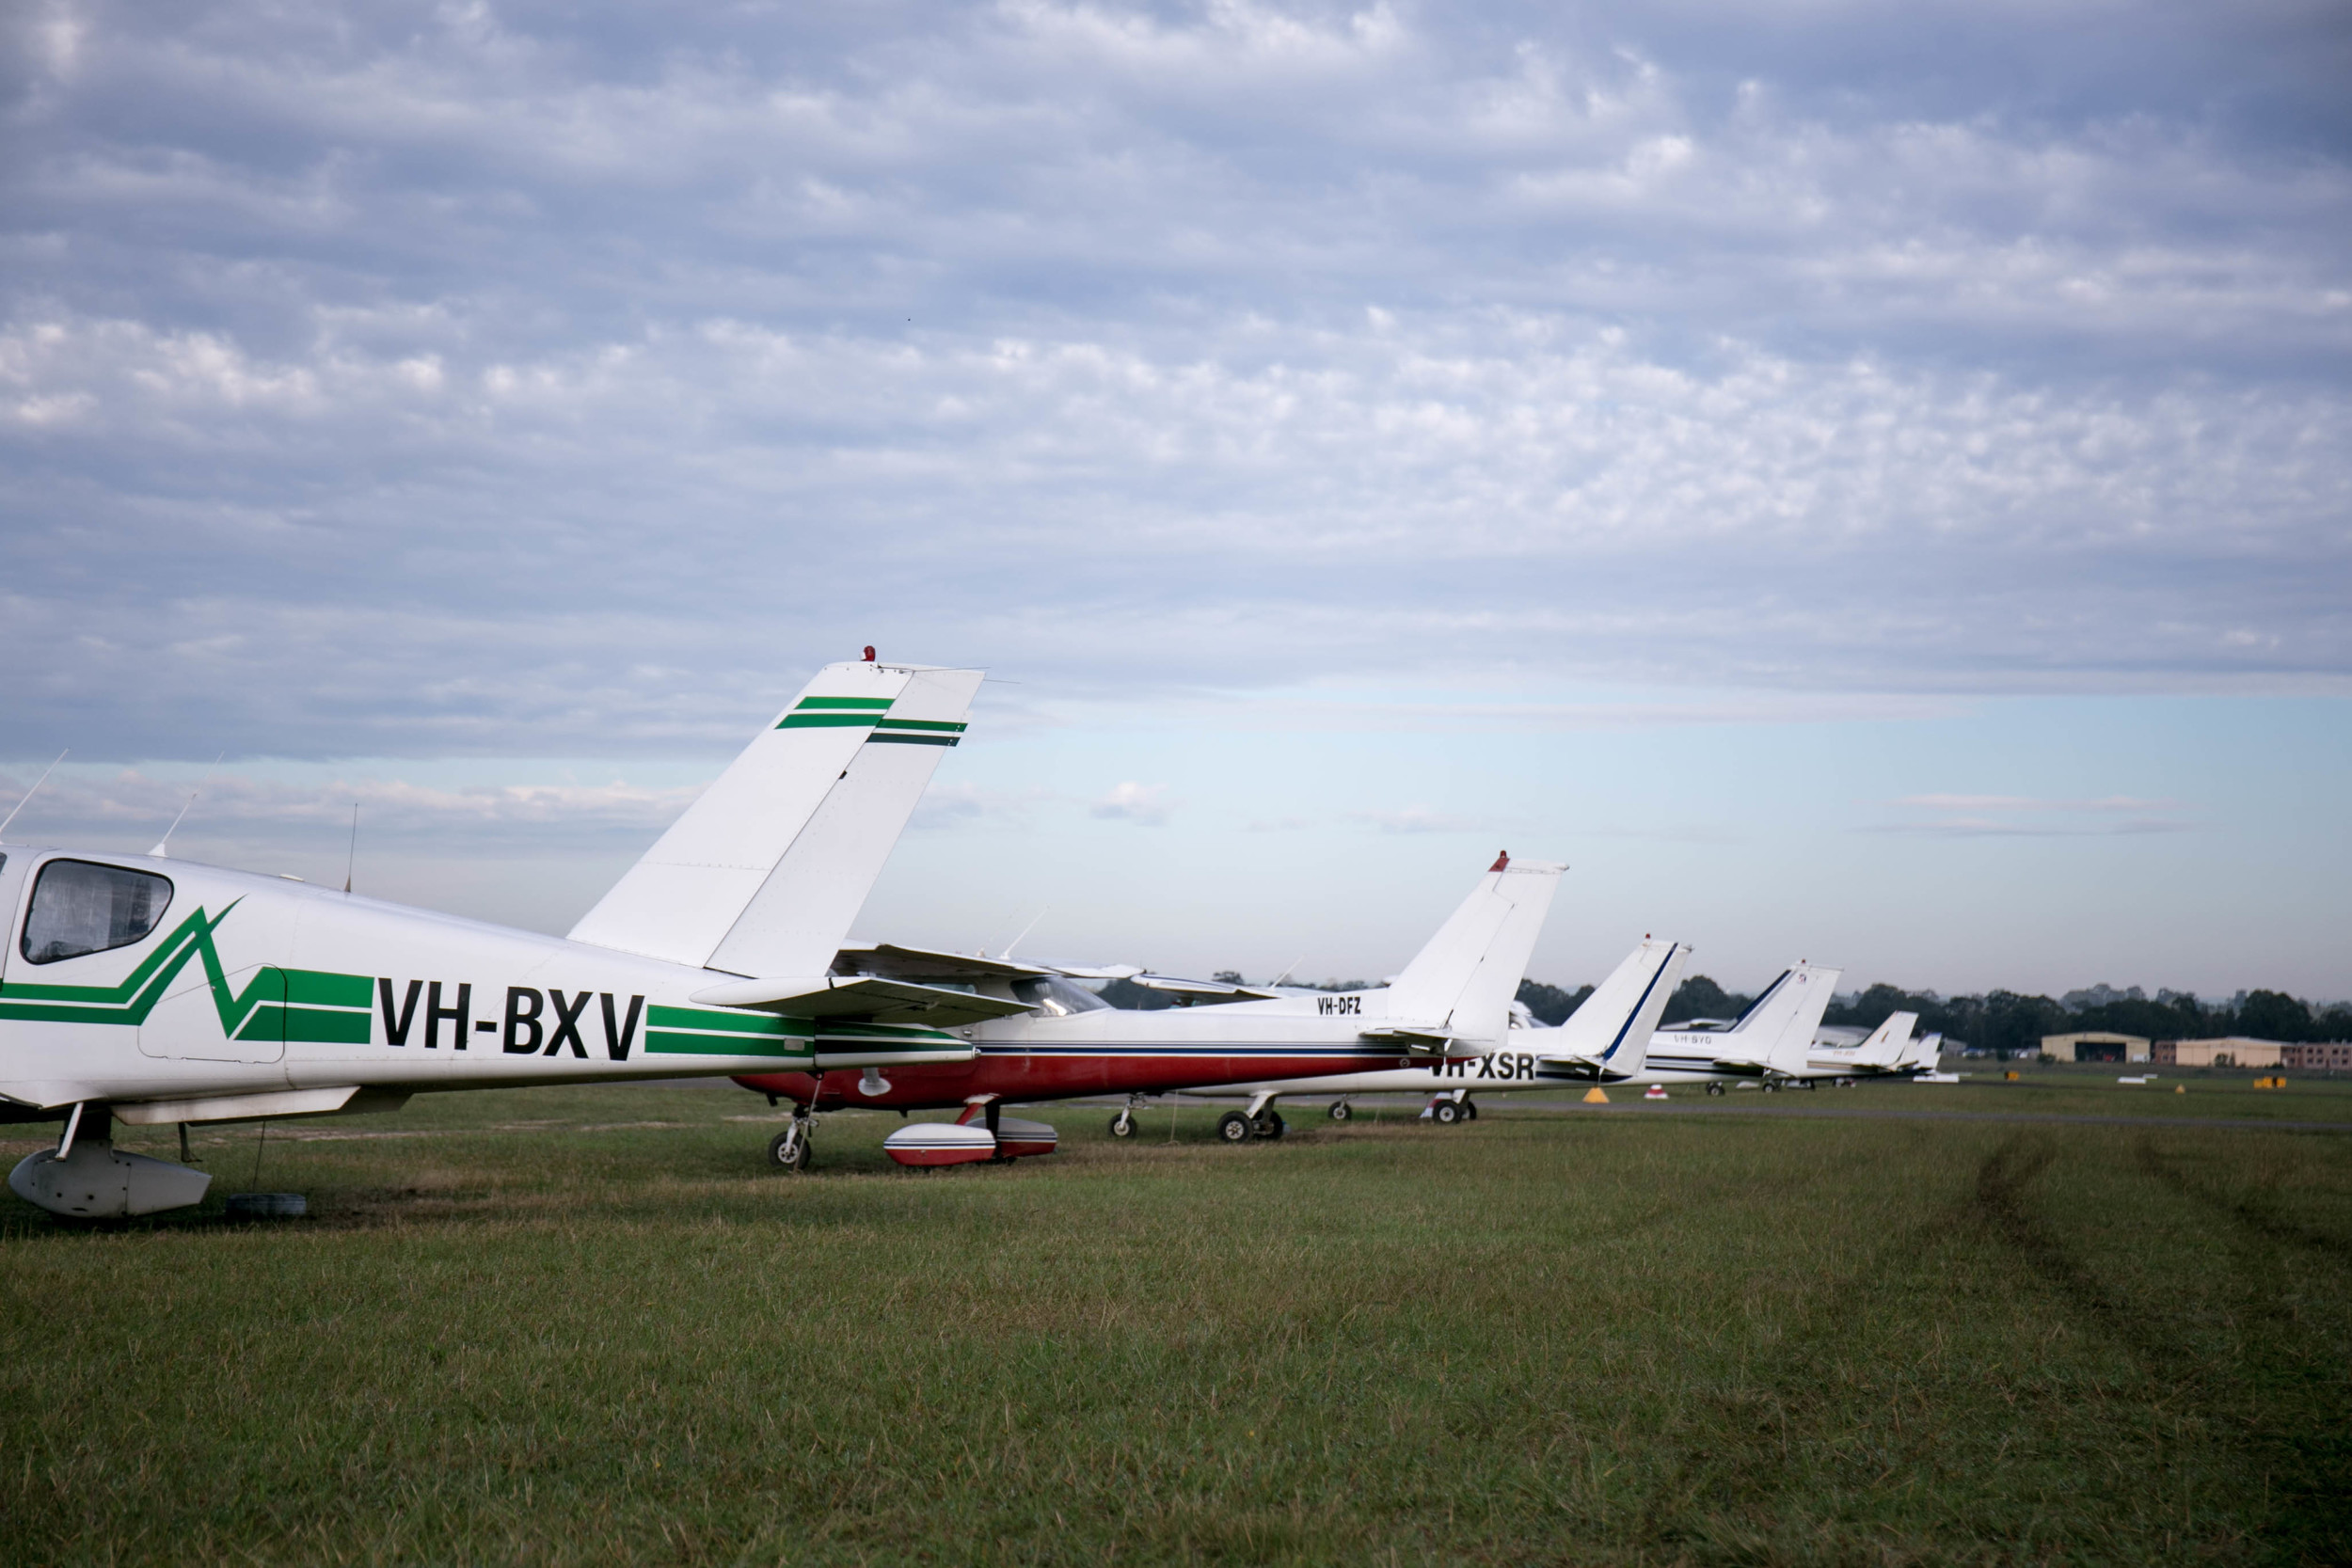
(1610, 1028)
(1467, 976)
(1808, 995)
(1777, 1029)
(1927, 1054)
(1888, 1043)
(766, 870)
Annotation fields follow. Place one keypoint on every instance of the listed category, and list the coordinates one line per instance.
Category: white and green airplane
(148, 991)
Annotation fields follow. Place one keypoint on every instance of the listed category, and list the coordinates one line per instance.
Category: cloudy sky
(1870, 482)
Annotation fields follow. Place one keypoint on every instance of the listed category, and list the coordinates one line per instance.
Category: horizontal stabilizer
(1427, 1038)
(865, 998)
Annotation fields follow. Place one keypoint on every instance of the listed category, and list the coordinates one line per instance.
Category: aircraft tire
(1339, 1111)
(1469, 1109)
(1714, 1088)
(1123, 1125)
(1233, 1128)
(1446, 1112)
(1272, 1125)
(785, 1155)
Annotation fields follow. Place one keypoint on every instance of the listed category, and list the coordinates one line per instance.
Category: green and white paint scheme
(190, 994)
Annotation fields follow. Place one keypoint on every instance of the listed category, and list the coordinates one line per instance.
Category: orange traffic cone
(1595, 1097)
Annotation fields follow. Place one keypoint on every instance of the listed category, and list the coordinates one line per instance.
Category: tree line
(2001, 1021)
(2009, 1022)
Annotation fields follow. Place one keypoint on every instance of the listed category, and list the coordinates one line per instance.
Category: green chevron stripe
(302, 1005)
(170, 954)
(949, 726)
(828, 721)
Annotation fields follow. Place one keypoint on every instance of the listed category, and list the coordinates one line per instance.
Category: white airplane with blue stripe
(1768, 1046)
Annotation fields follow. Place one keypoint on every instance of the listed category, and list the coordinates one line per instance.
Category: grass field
(588, 1327)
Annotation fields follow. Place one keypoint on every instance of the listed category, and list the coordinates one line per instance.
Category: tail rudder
(1888, 1043)
(1927, 1054)
(1806, 998)
(766, 870)
(1610, 1028)
(1467, 973)
(1767, 1034)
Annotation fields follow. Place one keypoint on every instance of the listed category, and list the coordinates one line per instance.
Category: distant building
(2230, 1051)
(2095, 1047)
(2334, 1056)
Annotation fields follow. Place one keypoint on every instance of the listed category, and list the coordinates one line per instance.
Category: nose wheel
(790, 1151)
(1339, 1111)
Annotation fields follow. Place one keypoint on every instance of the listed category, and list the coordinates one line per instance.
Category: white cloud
(487, 382)
(1145, 805)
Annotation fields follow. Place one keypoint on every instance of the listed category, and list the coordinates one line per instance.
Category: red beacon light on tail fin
(1503, 862)
(869, 653)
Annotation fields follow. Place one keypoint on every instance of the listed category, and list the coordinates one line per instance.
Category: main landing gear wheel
(789, 1151)
(1270, 1125)
(1446, 1112)
(1714, 1088)
(1339, 1111)
(1233, 1128)
(1469, 1109)
(1123, 1125)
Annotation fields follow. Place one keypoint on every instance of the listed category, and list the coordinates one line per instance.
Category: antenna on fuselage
(161, 851)
(1024, 933)
(29, 794)
(1288, 973)
(352, 856)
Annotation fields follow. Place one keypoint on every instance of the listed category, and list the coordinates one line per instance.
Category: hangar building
(2095, 1047)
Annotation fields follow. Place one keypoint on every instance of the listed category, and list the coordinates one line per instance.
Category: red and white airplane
(1453, 999)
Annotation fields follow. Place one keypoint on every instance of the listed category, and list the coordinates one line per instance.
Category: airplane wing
(1203, 990)
(867, 998)
(891, 961)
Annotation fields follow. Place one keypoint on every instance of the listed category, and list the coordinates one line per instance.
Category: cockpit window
(80, 906)
(1057, 998)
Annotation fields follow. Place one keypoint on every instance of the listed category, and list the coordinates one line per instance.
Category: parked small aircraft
(1603, 1041)
(1768, 1046)
(1453, 999)
(1886, 1051)
(151, 991)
